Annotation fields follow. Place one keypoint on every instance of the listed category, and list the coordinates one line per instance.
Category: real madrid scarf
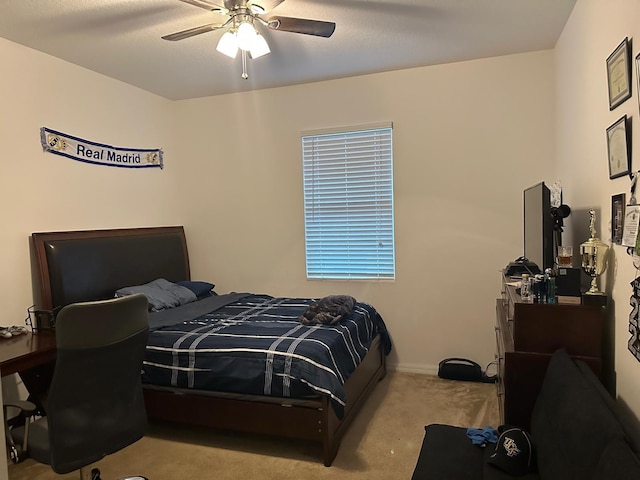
(76, 148)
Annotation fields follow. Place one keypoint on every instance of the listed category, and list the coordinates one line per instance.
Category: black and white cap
(514, 453)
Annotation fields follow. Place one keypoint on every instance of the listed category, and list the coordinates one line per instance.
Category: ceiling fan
(241, 32)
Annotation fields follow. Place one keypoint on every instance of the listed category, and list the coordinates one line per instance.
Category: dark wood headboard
(85, 265)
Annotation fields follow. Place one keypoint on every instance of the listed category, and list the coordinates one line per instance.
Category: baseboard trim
(414, 368)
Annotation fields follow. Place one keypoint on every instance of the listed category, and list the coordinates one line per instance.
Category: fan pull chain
(244, 64)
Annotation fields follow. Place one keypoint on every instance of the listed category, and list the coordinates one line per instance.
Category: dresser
(526, 336)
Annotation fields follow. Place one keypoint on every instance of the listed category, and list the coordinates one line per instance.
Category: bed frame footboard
(312, 419)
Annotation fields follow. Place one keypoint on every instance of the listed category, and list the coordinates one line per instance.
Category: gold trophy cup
(593, 255)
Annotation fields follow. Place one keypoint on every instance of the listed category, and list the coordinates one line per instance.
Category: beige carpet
(382, 443)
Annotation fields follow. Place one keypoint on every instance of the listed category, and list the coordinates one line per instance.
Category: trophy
(593, 256)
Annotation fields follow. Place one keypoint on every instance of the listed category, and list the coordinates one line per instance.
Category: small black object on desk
(521, 265)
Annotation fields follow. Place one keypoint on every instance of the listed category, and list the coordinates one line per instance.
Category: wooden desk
(24, 352)
(33, 358)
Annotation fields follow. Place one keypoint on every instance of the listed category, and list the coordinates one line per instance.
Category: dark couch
(575, 428)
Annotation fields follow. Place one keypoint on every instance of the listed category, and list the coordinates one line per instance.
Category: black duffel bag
(460, 369)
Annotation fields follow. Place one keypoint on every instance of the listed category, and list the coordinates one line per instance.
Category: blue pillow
(161, 294)
(200, 289)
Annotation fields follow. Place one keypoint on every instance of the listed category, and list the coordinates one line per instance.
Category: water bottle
(540, 289)
(551, 285)
(525, 289)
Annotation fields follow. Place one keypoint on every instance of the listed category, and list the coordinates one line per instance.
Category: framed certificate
(618, 149)
(619, 74)
(630, 228)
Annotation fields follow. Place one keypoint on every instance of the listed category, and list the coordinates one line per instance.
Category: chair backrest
(95, 405)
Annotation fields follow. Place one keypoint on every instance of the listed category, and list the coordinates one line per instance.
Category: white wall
(40, 191)
(468, 138)
(594, 30)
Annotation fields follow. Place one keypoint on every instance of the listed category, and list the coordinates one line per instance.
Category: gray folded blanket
(328, 310)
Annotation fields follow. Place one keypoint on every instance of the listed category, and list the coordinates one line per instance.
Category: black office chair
(94, 406)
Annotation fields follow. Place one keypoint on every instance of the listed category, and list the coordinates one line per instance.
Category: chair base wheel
(16, 454)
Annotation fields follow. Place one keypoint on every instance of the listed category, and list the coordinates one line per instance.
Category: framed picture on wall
(617, 217)
(619, 74)
(630, 227)
(618, 149)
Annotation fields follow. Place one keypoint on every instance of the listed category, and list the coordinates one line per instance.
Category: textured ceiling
(121, 39)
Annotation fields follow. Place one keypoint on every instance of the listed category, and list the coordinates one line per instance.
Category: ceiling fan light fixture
(259, 47)
(246, 36)
(228, 44)
(241, 33)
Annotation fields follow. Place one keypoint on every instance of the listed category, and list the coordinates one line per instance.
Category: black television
(539, 235)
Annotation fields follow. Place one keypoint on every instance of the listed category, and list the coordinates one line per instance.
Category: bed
(76, 266)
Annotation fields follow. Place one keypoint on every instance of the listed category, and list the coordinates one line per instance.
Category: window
(348, 203)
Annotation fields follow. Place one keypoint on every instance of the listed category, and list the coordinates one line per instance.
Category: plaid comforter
(255, 344)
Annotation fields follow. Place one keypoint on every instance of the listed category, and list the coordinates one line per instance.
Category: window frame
(354, 166)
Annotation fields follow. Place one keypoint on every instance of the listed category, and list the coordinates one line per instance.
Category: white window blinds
(348, 203)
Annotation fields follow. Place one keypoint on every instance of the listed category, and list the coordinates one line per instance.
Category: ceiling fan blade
(275, 3)
(302, 25)
(192, 32)
(206, 5)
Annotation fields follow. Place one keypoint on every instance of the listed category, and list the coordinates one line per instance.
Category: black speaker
(568, 282)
